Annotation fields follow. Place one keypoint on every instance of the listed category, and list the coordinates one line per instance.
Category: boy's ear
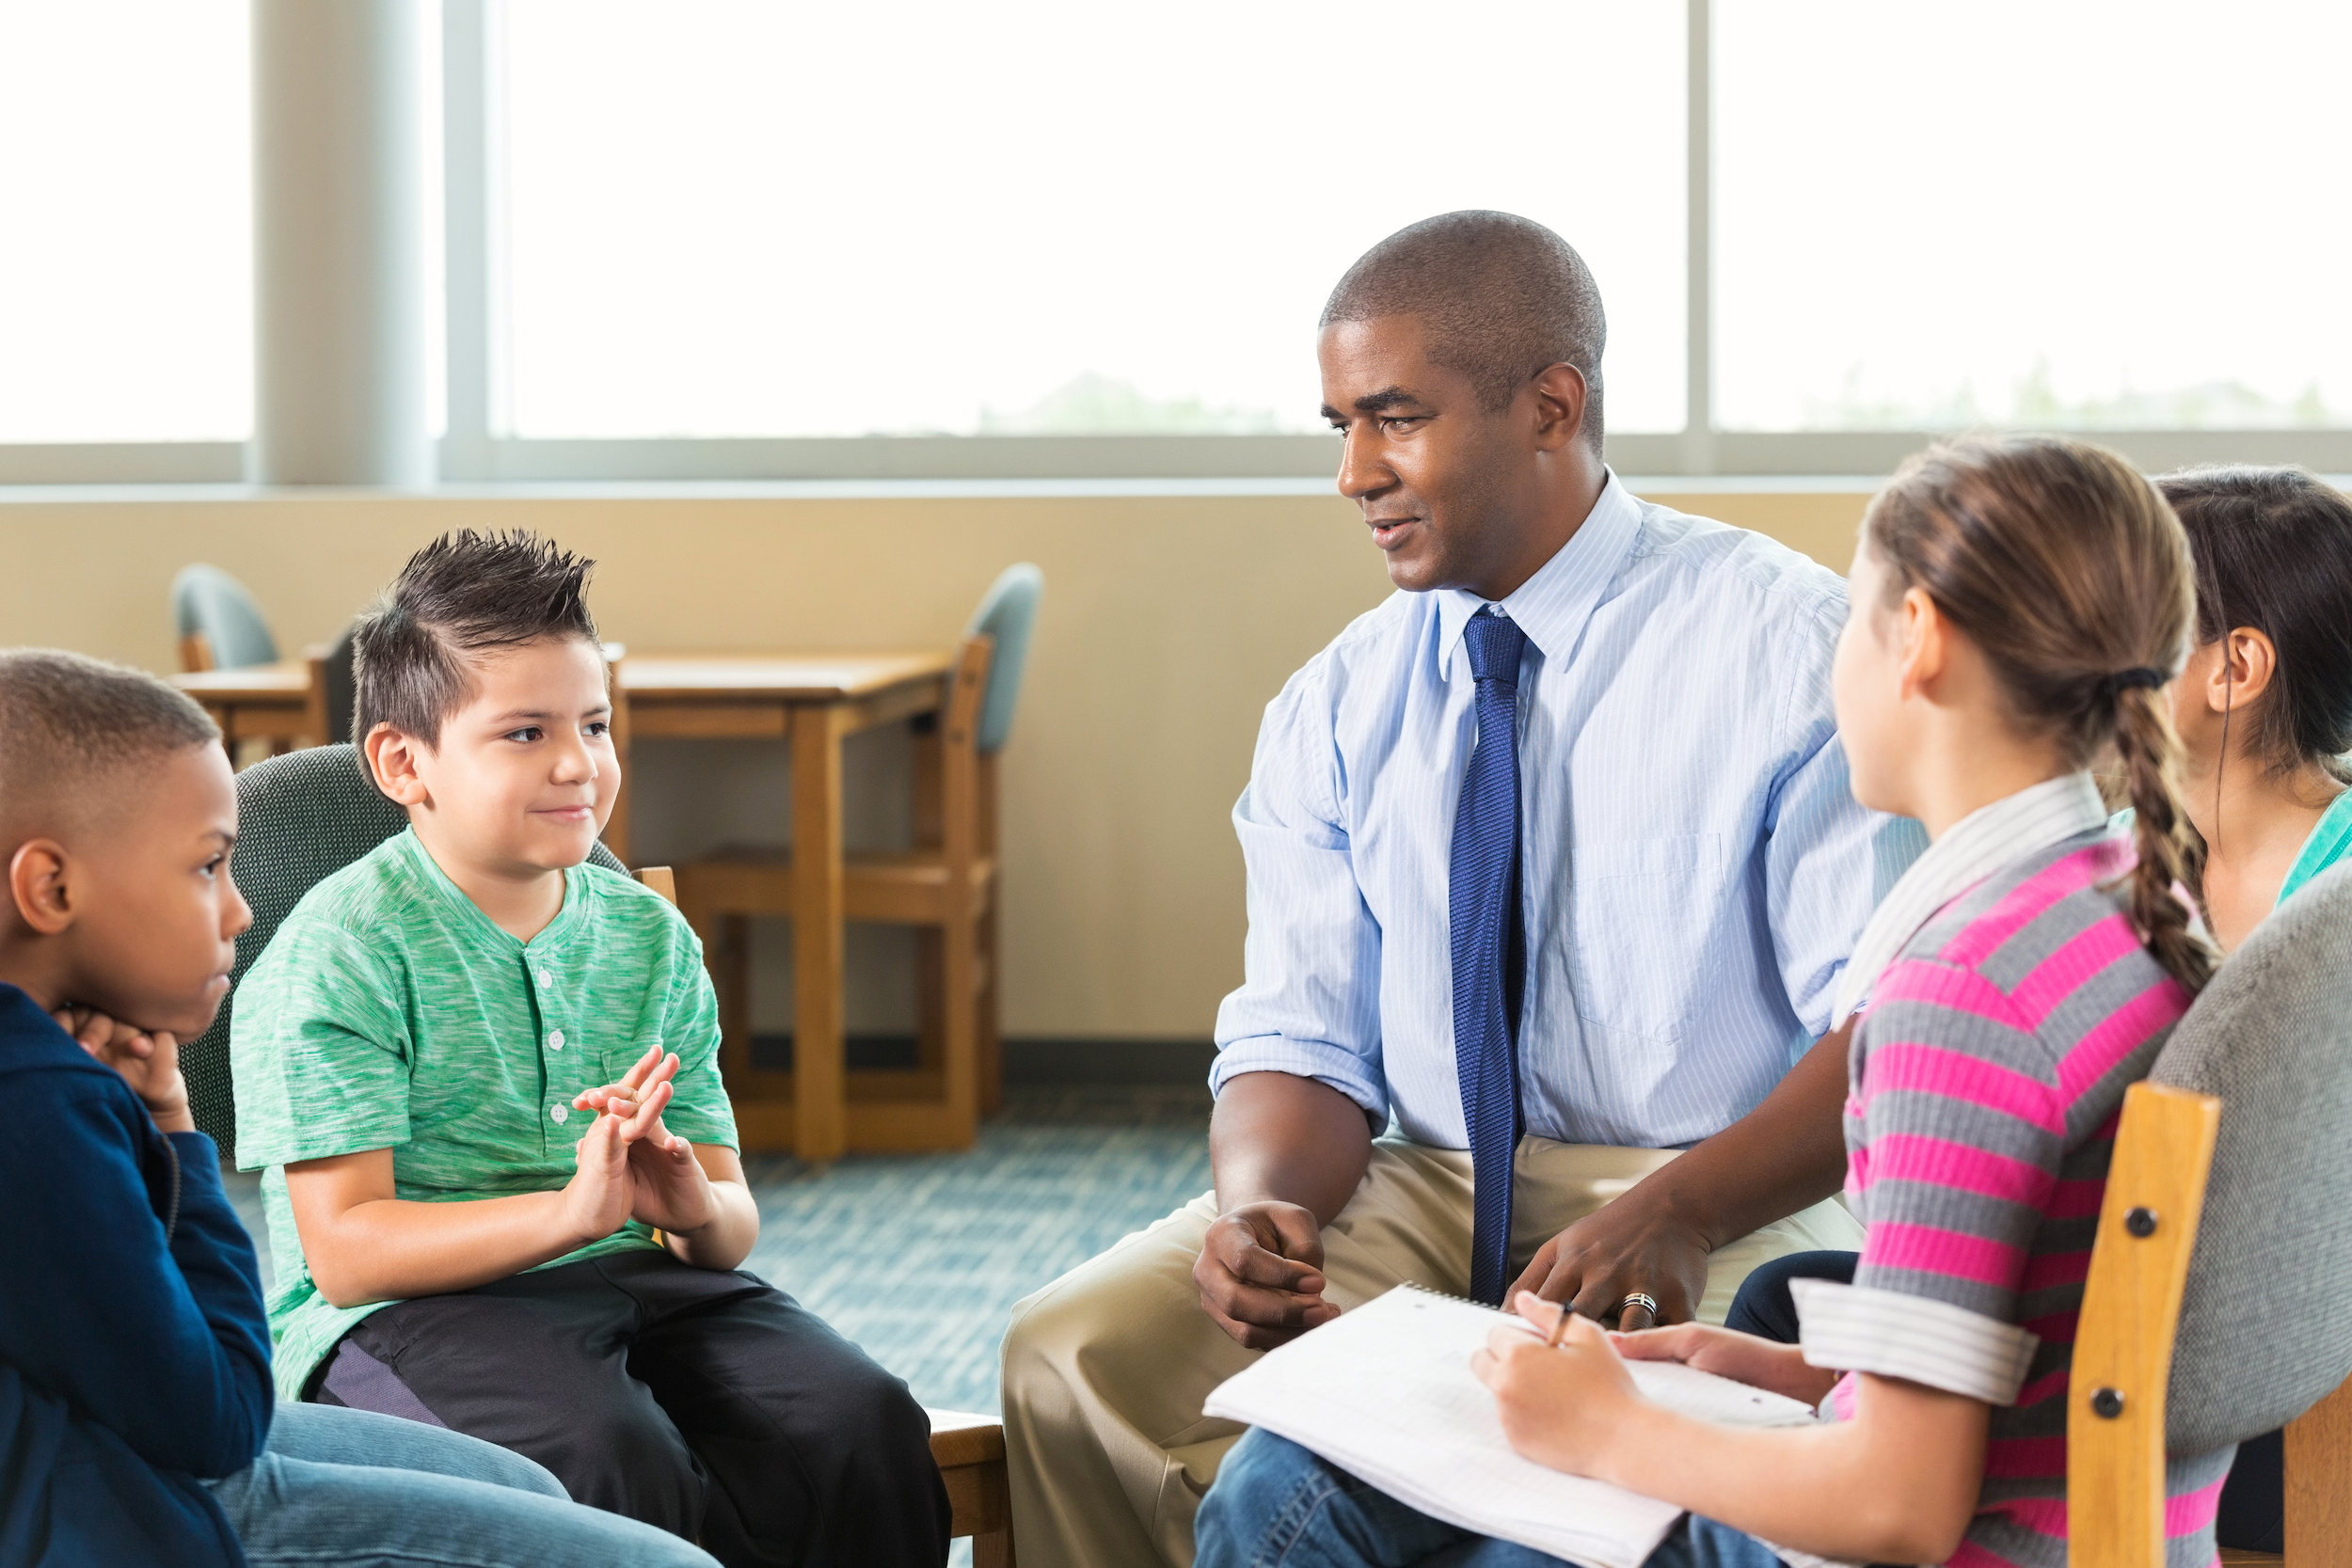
(392, 761)
(37, 886)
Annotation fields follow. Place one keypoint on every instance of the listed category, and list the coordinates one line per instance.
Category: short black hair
(464, 595)
(2273, 549)
(1500, 298)
(72, 726)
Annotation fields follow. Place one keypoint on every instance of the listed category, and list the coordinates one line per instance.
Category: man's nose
(1361, 470)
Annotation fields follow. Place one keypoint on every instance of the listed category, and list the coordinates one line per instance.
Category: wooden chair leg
(930, 999)
(957, 941)
(2319, 1483)
(991, 1051)
(993, 1550)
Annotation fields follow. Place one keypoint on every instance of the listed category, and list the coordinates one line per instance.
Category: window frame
(475, 450)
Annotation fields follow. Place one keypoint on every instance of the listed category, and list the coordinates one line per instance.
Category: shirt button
(555, 1041)
(559, 1113)
(545, 978)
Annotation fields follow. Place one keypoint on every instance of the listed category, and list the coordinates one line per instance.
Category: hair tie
(2121, 681)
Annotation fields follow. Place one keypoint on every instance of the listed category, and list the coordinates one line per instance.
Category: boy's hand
(1742, 1358)
(1560, 1407)
(671, 1192)
(598, 1198)
(149, 1062)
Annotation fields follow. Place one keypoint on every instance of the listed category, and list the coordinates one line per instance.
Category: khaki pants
(1107, 1368)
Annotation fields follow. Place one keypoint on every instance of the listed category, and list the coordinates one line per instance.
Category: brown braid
(2147, 750)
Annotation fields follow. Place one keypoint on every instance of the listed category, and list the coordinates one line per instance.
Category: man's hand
(1636, 1242)
(149, 1062)
(1260, 1274)
(1760, 1363)
(1788, 1152)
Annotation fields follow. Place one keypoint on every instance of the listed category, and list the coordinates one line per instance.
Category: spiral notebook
(1386, 1392)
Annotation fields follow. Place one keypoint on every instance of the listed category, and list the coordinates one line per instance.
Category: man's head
(117, 818)
(482, 702)
(1461, 358)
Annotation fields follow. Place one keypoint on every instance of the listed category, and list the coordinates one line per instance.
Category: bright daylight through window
(126, 274)
(741, 218)
(2079, 216)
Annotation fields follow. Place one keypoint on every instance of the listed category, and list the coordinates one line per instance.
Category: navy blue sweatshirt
(134, 1351)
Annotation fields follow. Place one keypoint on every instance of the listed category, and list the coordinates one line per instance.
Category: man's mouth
(1390, 533)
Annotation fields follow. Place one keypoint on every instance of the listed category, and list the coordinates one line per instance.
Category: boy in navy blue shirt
(136, 1423)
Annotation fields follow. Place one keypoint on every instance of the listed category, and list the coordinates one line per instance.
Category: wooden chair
(947, 886)
(2215, 1306)
(219, 625)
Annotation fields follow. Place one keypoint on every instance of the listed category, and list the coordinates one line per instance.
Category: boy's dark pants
(711, 1404)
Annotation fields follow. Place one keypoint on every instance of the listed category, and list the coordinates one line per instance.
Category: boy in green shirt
(483, 1074)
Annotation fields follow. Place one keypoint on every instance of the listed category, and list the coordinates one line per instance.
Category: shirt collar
(2014, 828)
(1553, 605)
(468, 915)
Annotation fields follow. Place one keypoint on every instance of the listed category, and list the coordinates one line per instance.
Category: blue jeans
(359, 1490)
(1275, 1505)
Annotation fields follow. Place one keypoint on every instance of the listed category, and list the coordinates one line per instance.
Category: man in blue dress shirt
(1552, 871)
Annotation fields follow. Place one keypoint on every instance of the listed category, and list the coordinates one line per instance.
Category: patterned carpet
(920, 1257)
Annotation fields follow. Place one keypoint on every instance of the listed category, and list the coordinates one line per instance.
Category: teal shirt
(389, 1011)
(2328, 844)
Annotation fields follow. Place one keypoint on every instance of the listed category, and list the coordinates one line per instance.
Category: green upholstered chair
(301, 817)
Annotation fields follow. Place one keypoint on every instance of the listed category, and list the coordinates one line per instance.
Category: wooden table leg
(616, 826)
(819, 1118)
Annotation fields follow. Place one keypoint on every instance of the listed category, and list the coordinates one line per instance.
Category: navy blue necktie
(1490, 945)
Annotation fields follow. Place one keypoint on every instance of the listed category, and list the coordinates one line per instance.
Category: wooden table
(812, 701)
(278, 703)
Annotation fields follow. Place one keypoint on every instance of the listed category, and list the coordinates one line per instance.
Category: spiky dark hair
(464, 595)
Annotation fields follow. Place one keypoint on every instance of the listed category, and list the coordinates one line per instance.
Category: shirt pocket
(1648, 914)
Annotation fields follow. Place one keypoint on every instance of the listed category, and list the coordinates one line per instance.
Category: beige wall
(1168, 622)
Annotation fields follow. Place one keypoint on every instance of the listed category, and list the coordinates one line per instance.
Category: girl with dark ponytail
(2015, 610)
(2264, 706)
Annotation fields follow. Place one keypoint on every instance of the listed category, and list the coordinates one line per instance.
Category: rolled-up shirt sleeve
(1309, 1000)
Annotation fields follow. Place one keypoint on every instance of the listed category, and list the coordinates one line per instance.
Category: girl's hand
(1764, 1364)
(1560, 1407)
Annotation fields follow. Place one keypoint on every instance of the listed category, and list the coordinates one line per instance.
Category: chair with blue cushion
(219, 625)
(946, 886)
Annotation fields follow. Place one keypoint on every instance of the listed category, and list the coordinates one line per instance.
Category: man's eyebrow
(1386, 399)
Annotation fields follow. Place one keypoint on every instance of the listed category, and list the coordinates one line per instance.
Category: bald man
(1553, 872)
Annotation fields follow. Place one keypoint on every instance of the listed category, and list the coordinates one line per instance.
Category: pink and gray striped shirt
(1987, 1076)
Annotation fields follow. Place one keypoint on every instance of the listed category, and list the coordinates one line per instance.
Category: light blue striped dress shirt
(1694, 870)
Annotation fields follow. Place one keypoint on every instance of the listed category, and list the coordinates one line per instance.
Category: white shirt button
(559, 1113)
(555, 1041)
(545, 978)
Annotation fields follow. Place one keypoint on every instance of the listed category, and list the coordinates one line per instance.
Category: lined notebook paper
(1386, 1393)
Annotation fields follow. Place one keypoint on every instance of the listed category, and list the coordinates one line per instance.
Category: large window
(1089, 238)
(2121, 215)
(1045, 216)
(126, 309)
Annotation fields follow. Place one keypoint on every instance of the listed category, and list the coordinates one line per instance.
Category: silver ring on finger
(1645, 1302)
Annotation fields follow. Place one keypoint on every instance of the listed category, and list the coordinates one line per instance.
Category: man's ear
(1559, 398)
(392, 763)
(39, 886)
